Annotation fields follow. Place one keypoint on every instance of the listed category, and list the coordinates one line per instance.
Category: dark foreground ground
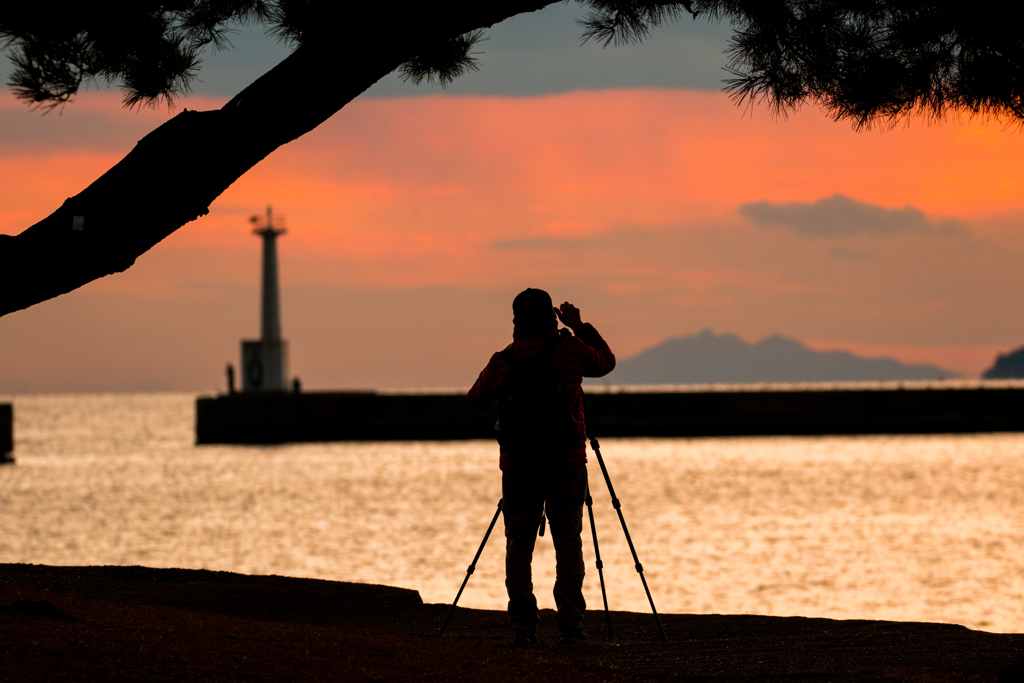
(138, 624)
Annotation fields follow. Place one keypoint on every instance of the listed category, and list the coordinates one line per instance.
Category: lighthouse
(265, 361)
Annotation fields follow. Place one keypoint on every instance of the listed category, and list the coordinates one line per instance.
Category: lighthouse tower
(265, 362)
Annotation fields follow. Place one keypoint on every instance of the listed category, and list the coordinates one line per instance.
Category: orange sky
(624, 199)
(447, 171)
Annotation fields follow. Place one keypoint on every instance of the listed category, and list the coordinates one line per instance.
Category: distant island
(1007, 366)
(707, 358)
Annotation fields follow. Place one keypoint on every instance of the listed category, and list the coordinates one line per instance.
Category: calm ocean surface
(919, 528)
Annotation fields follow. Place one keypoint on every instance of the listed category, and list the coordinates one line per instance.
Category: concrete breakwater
(261, 418)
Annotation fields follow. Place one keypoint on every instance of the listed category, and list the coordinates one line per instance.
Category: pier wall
(315, 416)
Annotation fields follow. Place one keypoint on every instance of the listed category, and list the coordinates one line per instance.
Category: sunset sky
(621, 179)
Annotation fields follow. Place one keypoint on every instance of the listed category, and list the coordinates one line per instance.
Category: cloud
(538, 53)
(841, 216)
(539, 243)
(847, 254)
(533, 53)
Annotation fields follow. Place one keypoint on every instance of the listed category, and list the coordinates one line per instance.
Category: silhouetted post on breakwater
(265, 362)
(6, 433)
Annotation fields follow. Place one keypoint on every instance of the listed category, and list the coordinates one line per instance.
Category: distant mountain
(1008, 366)
(710, 358)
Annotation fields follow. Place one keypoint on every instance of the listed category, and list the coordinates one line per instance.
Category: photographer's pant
(525, 492)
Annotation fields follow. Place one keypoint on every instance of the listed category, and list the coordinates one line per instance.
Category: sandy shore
(139, 624)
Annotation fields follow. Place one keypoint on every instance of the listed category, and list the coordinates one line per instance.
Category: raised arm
(597, 358)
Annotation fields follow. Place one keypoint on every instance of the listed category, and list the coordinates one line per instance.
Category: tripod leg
(600, 565)
(472, 568)
(622, 520)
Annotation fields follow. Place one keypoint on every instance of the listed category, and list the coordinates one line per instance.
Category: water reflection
(906, 528)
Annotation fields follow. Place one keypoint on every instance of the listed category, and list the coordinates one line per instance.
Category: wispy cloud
(540, 244)
(844, 253)
(841, 216)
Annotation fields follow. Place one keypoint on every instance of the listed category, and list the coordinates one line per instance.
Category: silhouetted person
(296, 386)
(551, 476)
(231, 378)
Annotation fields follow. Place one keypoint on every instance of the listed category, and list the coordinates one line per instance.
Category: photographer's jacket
(584, 355)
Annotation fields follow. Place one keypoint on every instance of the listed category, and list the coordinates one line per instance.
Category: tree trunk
(174, 173)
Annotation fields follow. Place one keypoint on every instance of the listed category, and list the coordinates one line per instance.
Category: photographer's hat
(532, 310)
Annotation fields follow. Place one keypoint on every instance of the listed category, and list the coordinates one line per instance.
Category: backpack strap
(548, 349)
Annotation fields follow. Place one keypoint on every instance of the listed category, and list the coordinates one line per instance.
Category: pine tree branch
(173, 174)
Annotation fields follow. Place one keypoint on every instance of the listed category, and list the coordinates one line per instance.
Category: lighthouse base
(264, 365)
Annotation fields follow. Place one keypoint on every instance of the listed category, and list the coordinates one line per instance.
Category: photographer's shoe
(524, 636)
(573, 635)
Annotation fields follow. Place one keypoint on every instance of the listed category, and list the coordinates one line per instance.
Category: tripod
(472, 568)
(636, 560)
(597, 552)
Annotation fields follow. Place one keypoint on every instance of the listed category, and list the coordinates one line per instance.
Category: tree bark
(174, 173)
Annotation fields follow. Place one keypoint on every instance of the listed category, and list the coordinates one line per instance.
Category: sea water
(910, 528)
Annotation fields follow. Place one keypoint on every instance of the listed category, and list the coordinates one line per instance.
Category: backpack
(533, 418)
